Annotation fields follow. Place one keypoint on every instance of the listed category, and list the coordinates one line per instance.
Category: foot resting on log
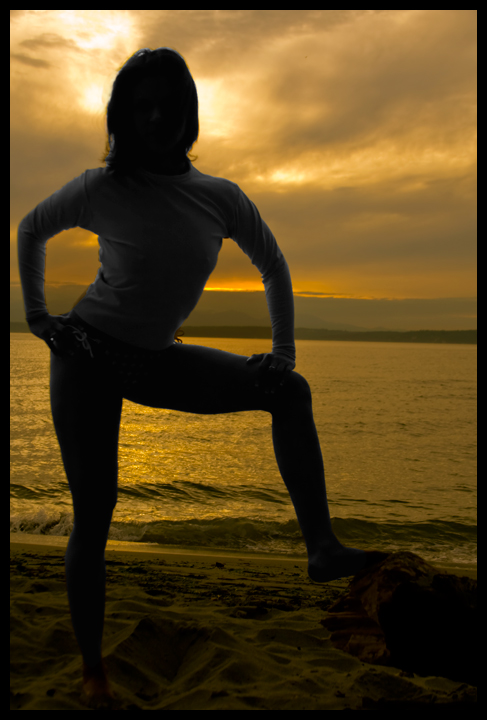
(342, 562)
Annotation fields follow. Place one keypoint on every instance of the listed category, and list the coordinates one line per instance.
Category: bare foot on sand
(342, 562)
(96, 687)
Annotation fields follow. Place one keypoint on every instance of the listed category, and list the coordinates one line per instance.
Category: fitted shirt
(159, 238)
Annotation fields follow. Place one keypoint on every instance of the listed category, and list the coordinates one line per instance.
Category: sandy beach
(189, 630)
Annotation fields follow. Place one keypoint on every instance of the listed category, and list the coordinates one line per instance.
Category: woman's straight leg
(86, 412)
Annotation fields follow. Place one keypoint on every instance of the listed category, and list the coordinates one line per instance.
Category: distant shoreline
(462, 337)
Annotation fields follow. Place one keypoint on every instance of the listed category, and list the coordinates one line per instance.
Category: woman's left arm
(254, 237)
(276, 365)
(280, 301)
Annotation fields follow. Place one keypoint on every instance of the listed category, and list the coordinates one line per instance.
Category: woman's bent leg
(203, 380)
(298, 455)
(86, 413)
(207, 381)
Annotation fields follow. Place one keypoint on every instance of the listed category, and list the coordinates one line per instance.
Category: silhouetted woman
(160, 224)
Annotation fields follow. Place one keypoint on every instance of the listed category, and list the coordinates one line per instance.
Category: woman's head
(152, 112)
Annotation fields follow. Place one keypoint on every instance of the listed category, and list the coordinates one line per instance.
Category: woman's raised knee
(296, 389)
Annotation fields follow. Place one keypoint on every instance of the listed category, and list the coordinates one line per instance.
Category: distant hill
(464, 337)
(230, 309)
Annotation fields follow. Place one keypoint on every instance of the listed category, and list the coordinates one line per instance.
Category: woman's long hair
(163, 62)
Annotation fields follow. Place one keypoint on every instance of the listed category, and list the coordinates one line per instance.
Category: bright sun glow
(95, 30)
(215, 116)
(100, 41)
(92, 98)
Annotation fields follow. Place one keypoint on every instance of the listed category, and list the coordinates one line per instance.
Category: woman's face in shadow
(156, 118)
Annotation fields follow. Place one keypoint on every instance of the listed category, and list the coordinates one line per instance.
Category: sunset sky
(353, 131)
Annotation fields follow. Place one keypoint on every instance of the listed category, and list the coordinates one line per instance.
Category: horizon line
(297, 293)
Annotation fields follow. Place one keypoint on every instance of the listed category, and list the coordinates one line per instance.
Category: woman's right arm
(32, 262)
(68, 207)
(64, 209)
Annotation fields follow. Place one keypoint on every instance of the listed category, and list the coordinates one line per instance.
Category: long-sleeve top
(159, 239)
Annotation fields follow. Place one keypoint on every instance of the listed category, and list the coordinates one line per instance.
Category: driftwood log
(405, 613)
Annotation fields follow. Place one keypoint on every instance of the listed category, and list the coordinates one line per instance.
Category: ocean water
(397, 424)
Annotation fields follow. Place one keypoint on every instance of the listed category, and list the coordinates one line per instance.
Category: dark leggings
(86, 401)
